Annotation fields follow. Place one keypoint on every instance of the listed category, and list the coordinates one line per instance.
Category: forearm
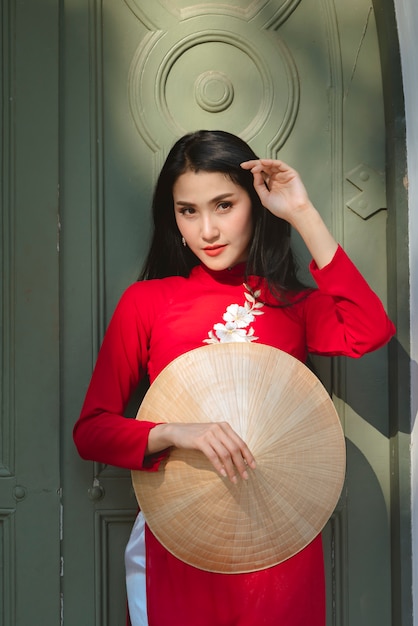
(318, 239)
(160, 438)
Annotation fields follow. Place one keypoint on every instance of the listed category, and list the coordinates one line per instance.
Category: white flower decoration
(237, 319)
(238, 315)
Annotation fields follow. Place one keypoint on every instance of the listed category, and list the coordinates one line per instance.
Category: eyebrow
(214, 200)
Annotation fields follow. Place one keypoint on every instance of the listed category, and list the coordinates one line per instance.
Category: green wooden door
(92, 119)
(295, 78)
(29, 313)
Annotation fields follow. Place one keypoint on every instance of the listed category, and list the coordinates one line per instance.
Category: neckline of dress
(233, 275)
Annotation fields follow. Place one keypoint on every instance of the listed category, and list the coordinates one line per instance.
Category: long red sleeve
(344, 316)
(102, 433)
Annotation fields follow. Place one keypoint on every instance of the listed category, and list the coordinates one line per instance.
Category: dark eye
(187, 210)
(224, 206)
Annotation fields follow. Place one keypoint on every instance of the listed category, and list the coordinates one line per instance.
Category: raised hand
(283, 193)
(279, 187)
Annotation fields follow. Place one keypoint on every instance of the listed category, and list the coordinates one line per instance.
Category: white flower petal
(237, 318)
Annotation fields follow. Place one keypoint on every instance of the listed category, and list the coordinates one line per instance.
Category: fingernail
(245, 475)
(223, 473)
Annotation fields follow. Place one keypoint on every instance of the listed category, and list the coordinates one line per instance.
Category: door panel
(295, 79)
(29, 298)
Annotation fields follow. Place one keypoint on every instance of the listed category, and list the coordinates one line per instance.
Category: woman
(222, 221)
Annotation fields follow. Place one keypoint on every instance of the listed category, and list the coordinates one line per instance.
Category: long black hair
(270, 255)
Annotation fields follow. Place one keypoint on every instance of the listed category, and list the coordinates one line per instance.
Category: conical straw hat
(286, 417)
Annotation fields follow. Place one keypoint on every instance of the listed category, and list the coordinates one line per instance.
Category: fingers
(269, 173)
(266, 165)
(228, 453)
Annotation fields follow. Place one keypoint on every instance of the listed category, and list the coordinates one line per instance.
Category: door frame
(399, 311)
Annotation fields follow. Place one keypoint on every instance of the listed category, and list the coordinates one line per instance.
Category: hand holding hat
(286, 417)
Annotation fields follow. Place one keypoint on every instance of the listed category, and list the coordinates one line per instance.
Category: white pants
(135, 573)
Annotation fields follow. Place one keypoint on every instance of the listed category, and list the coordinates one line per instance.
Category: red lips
(214, 250)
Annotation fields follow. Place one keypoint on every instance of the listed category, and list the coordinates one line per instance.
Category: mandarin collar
(231, 276)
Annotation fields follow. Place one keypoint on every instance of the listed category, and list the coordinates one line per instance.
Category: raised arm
(282, 192)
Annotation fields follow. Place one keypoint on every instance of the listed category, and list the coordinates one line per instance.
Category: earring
(183, 241)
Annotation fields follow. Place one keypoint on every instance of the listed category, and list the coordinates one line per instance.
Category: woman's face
(214, 215)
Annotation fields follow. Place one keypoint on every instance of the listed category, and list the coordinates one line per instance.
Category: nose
(209, 228)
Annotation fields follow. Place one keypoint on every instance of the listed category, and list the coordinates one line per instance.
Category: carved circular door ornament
(214, 91)
(231, 78)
